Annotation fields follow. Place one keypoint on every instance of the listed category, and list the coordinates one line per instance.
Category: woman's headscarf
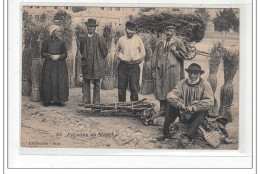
(54, 28)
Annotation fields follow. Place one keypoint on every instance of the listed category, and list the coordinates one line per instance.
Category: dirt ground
(69, 127)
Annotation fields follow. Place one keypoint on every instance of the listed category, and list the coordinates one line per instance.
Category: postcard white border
(241, 158)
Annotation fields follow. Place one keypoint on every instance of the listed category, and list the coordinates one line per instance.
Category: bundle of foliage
(226, 20)
(231, 63)
(117, 34)
(65, 24)
(189, 26)
(34, 32)
(107, 34)
(149, 41)
(216, 55)
(203, 12)
(81, 32)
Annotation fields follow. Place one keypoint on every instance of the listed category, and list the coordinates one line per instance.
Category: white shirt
(90, 35)
(130, 49)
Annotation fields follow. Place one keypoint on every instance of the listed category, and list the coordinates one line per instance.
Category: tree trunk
(36, 79)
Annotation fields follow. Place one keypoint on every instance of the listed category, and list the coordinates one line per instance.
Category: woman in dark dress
(55, 73)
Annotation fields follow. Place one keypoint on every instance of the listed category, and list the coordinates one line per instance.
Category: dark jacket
(55, 73)
(93, 50)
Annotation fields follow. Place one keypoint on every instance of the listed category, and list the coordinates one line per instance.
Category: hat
(169, 27)
(194, 67)
(91, 22)
(130, 25)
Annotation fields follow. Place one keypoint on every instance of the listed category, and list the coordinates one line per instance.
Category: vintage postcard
(130, 78)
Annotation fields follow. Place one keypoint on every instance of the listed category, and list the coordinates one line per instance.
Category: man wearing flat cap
(167, 65)
(131, 52)
(190, 100)
(93, 50)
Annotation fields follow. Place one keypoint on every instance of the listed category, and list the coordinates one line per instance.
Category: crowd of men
(189, 99)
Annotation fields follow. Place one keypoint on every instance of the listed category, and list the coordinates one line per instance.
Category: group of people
(189, 99)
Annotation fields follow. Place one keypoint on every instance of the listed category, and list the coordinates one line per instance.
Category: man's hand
(135, 61)
(173, 48)
(55, 57)
(181, 107)
(189, 109)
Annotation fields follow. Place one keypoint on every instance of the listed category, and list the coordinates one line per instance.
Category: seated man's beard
(194, 81)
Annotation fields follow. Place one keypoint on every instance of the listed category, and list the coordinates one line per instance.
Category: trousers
(128, 74)
(193, 122)
(86, 91)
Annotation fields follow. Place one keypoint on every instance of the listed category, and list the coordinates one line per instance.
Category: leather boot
(162, 107)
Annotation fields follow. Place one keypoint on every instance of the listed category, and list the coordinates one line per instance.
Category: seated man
(190, 100)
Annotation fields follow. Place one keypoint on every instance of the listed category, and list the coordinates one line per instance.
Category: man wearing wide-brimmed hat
(190, 100)
(131, 52)
(93, 50)
(167, 65)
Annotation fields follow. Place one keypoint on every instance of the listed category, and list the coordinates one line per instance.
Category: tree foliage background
(226, 20)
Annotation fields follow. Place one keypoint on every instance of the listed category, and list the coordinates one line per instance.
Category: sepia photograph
(130, 77)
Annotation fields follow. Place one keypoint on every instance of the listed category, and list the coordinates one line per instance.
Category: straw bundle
(149, 41)
(231, 65)
(26, 71)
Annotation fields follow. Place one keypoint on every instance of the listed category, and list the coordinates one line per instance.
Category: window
(66, 8)
(175, 9)
(117, 8)
(31, 6)
(110, 8)
(102, 8)
(37, 7)
(55, 7)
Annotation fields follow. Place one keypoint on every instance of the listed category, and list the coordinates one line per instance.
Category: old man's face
(169, 33)
(194, 76)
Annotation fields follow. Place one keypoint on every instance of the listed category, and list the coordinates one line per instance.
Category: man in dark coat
(55, 73)
(93, 50)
